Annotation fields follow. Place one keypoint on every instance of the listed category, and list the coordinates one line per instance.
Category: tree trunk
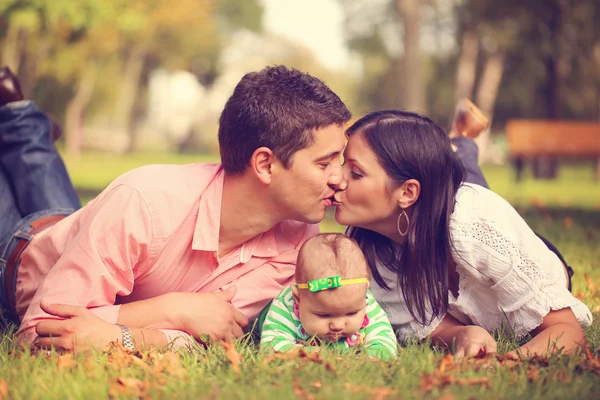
(129, 91)
(415, 93)
(467, 66)
(487, 92)
(31, 63)
(13, 45)
(74, 115)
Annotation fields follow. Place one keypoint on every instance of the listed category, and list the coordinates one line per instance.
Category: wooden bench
(544, 142)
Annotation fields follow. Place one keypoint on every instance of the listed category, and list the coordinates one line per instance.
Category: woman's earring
(405, 215)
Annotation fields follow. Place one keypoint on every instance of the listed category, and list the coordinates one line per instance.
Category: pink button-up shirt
(154, 230)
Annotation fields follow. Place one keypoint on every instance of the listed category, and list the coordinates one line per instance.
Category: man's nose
(338, 180)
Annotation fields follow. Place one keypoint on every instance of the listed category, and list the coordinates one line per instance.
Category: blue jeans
(34, 182)
(468, 152)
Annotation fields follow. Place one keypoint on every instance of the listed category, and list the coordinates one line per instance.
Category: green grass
(566, 211)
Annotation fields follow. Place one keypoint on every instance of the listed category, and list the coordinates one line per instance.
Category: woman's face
(364, 199)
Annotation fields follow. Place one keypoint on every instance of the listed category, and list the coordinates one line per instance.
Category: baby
(330, 304)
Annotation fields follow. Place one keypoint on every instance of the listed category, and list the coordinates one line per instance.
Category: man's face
(305, 189)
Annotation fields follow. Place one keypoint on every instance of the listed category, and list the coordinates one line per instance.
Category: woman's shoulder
(477, 203)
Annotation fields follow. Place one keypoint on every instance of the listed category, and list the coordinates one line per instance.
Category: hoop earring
(405, 215)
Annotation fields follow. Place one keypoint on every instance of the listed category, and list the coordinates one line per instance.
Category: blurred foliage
(551, 48)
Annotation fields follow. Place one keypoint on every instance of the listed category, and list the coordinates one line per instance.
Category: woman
(451, 260)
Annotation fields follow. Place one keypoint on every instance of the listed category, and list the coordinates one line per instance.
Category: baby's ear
(296, 293)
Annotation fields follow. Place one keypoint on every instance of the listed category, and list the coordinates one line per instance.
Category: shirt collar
(208, 223)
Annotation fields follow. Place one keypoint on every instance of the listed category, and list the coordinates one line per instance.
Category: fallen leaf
(317, 385)
(568, 222)
(564, 377)
(127, 386)
(480, 380)
(299, 392)
(233, 356)
(3, 389)
(591, 236)
(65, 362)
(170, 364)
(446, 362)
(590, 282)
(380, 393)
(533, 374)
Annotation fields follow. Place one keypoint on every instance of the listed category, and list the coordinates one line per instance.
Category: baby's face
(334, 313)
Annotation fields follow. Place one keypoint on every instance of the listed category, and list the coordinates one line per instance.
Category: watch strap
(127, 338)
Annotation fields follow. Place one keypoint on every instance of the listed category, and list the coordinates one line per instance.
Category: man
(166, 253)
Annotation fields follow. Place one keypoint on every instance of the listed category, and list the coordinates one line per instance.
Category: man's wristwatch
(127, 338)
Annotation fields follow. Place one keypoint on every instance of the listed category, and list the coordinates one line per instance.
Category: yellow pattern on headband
(330, 283)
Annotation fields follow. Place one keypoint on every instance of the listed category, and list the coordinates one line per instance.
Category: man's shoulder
(158, 176)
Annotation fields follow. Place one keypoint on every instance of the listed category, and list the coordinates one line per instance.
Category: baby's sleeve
(279, 330)
(380, 341)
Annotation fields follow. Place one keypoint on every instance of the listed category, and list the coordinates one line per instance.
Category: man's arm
(113, 238)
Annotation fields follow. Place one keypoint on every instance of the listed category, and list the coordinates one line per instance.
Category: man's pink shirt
(154, 230)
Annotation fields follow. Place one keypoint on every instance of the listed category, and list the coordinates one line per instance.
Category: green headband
(330, 283)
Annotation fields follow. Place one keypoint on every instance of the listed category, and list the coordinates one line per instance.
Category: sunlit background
(141, 81)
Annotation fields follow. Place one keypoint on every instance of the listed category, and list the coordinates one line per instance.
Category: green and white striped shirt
(282, 329)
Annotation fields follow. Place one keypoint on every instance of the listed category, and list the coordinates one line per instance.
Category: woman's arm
(462, 340)
(559, 331)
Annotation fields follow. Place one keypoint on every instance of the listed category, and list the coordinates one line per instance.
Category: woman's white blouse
(508, 278)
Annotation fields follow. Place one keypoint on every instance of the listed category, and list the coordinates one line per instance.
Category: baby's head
(338, 311)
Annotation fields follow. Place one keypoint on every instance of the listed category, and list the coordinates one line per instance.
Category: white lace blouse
(508, 278)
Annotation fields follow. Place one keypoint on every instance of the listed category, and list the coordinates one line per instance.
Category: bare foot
(468, 120)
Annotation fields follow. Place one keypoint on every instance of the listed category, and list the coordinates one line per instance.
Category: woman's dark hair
(410, 146)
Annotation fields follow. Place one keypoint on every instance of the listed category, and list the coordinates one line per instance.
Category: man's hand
(209, 314)
(470, 339)
(80, 331)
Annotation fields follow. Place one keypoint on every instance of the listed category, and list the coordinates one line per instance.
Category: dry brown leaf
(564, 376)
(537, 202)
(317, 385)
(568, 222)
(479, 380)
(65, 362)
(233, 356)
(90, 366)
(380, 393)
(590, 283)
(127, 386)
(533, 374)
(3, 389)
(446, 362)
(591, 236)
(168, 363)
(299, 392)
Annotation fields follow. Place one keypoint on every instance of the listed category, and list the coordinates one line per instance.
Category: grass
(566, 211)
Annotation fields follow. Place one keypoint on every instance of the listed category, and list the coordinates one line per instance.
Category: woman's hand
(462, 340)
(470, 339)
(79, 331)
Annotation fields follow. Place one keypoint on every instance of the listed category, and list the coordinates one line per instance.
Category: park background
(138, 82)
